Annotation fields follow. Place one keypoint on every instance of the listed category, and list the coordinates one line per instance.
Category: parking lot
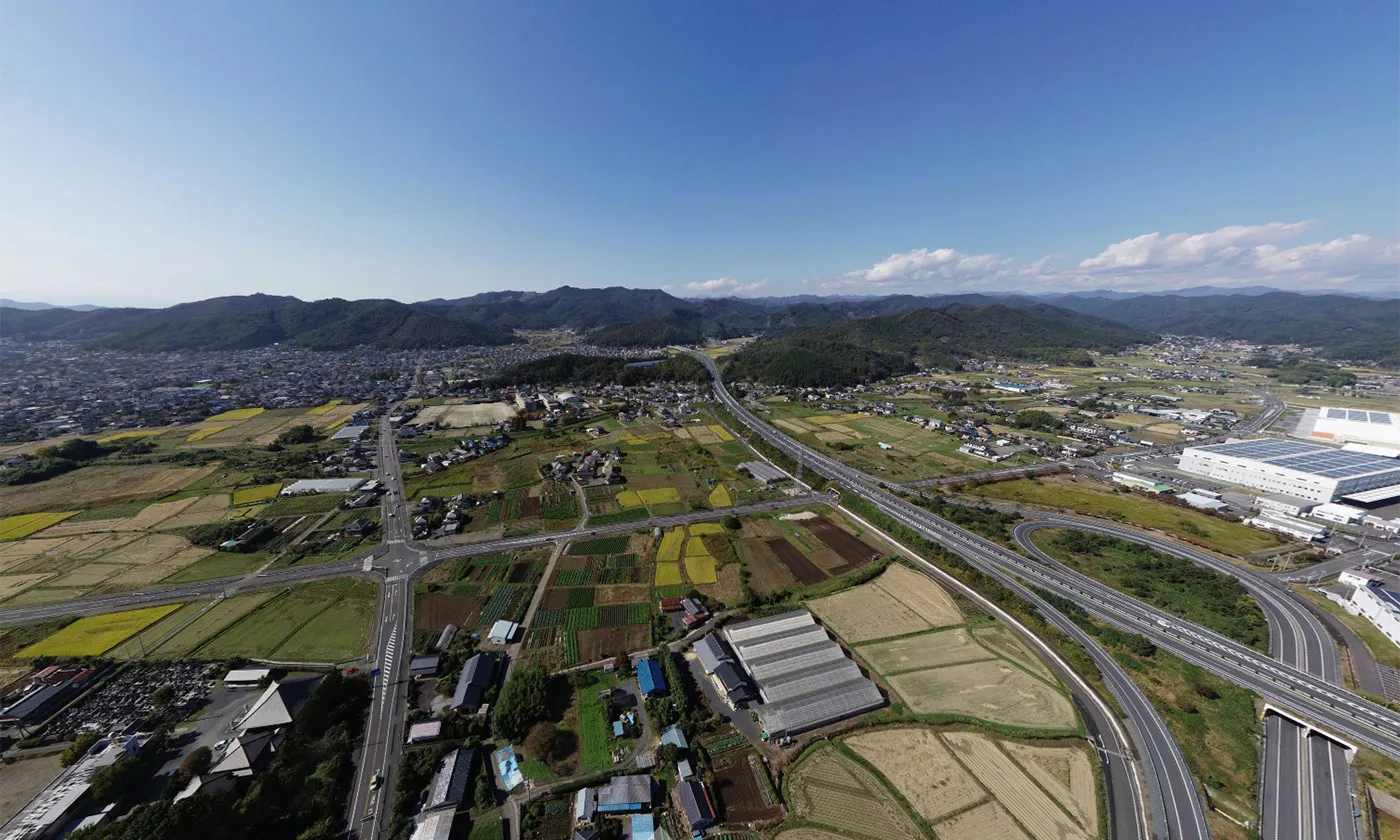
(215, 723)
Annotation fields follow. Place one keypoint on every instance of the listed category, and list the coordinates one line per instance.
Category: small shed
(237, 678)
(425, 666)
(674, 736)
(502, 632)
(649, 677)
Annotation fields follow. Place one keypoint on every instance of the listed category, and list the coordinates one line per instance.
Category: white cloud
(1236, 255)
(922, 266)
(719, 287)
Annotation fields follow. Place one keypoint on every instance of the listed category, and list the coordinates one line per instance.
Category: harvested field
(204, 511)
(621, 594)
(995, 691)
(920, 767)
(19, 527)
(743, 798)
(827, 788)
(37, 595)
(466, 416)
(809, 834)
(985, 822)
(1030, 805)
(999, 639)
(602, 642)
(866, 612)
(98, 485)
(154, 548)
(927, 650)
(1065, 772)
(803, 569)
(437, 610)
(920, 594)
(766, 573)
(729, 589)
(12, 584)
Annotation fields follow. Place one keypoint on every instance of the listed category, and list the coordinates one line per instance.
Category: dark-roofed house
(450, 783)
(425, 665)
(735, 685)
(649, 677)
(712, 652)
(477, 675)
(695, 804)
(625, 794)
(247, 753)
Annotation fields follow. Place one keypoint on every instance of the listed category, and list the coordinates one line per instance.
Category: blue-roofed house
(643, 827)
(649, 677)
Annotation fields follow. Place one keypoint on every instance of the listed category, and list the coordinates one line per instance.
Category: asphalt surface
(1282, 817)
(1287, 687)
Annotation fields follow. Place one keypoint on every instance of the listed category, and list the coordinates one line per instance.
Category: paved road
(1282, 816)
(1304, 694)
(1333, 814)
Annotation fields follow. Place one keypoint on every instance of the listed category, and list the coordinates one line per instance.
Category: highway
(1304, 694)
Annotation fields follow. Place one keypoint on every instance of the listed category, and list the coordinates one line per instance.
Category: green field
(1083, 496)
(315, 622)
(220, 564)
(593, 724)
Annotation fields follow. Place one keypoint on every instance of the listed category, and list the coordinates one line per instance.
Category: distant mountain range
(1343, 327)
(6, 303)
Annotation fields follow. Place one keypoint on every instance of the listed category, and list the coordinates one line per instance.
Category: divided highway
(1304, 694)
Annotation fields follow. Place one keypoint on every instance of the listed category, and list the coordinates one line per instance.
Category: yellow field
(706, 528)
(659, 495)
(670, 550)
(253, 495)
(206, 432)
(668, 574)
(322, 409)
(701, 569)
(629, 499)
(696, 548)
(238, 414)
(135, 433)
(719, 497)
(19, 527)
(721, 433)
(95, 635)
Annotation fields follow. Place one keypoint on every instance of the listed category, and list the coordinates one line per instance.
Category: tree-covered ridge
(572, 368)
(1342, 327)
(871, 348)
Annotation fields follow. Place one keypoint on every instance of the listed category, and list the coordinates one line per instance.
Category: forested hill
(871, 348)
(240, 323)
(1341, 327)
(573, 369)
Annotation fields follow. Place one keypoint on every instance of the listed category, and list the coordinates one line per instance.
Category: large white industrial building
(1341, 425)
(1293, 468)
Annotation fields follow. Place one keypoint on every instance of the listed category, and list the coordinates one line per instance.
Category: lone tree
(197, 763)
(297, 434)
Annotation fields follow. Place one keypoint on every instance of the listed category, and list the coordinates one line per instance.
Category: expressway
(1304, 694)
(1298, 638)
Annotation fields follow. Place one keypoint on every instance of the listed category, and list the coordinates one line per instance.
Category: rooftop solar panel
(1386, 595)
(1337, 413)
(1357, 416)
(1380, 417)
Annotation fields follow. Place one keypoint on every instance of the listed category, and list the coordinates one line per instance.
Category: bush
(524, 701)
(78, 748)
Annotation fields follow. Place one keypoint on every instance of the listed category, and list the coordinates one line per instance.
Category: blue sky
(163, 151)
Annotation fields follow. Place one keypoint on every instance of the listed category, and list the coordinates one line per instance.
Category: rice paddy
(671, 542)
(253, 495)
(95, 635)
(668, 574)
(134, 433)
(19, 527)
(719, 497)
(208, 431)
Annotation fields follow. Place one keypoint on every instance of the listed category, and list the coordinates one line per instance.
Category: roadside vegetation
(1213, 600)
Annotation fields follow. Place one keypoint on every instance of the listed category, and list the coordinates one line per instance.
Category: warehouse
(1304, 470)
(1288, 526)
(764, 472)
(1350, 424)
(802, 676)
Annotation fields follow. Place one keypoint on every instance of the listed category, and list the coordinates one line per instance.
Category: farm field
(920, 766)
(66, 567)
(830, 789)
(967, 668)
(457, 415)
(88, 486)
(799, 549)
(209, 624)
(19, 527)
(95, 635)
(898, 602)
(1098, 499)
(314, 622)
(743, 796)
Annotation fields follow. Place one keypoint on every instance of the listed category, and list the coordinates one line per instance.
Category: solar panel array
(1389, 597)
(1359, 416)
(1305, 457)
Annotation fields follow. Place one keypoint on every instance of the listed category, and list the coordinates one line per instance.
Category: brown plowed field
(555, 599)
(742, 797)
(620, 594)
(766, 574)
(855, 551)
(803, 569)
(603, 642)
(530, 506)
(436, 611)
(568, 561)
(519, 572)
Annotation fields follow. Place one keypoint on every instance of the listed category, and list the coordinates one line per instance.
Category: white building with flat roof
(1340, 425)
(1293, 468)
